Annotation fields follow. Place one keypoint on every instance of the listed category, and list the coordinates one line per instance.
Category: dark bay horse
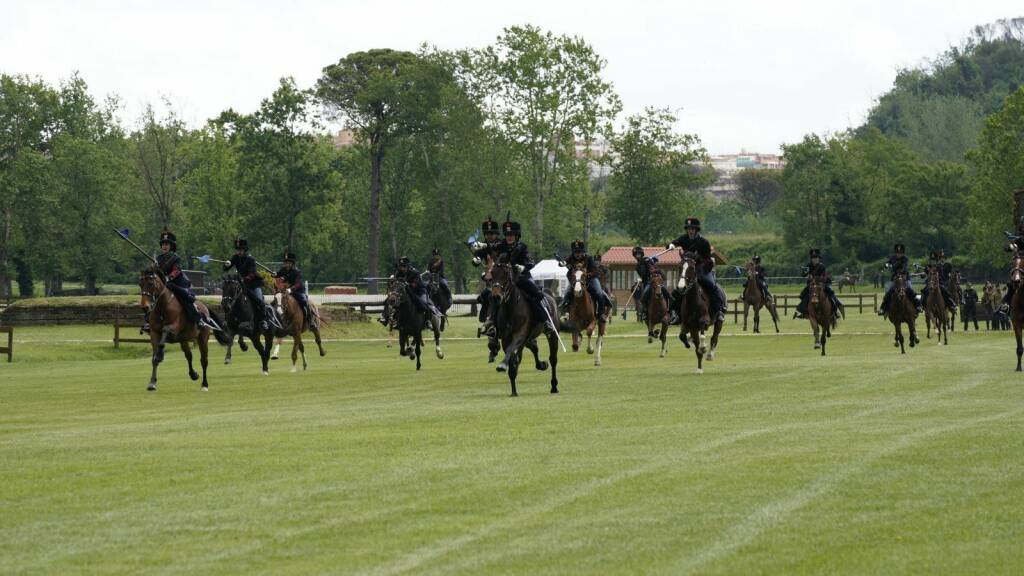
(583, 315)
(241, 321)
(903, 310)
(935, 308)
(957, 294)
(820, 314)
(437, 296)
(411, 323)
(754, 298)
(657, 313)
(294, 323)
(168, 322)
(1017, 302)
(518, 329)
(693, 312)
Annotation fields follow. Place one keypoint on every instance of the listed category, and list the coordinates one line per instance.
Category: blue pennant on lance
(472, 239)
(125, 232)
(205, 258)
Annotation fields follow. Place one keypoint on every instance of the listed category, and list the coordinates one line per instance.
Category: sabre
(128, 240)
(555, 327)
(631, 301)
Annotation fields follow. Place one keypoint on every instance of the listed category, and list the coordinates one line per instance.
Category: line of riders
(518, 255)
(289, 276)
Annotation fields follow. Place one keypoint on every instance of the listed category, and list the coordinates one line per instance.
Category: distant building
(344, 139)
(622, 265)
(726, 167)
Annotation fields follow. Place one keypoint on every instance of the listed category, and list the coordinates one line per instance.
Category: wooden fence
(117, 331)
(9, 349)
(785, 302)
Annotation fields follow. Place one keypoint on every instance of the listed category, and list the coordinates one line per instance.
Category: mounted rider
(815, 270)
(518, 255)
(291, 276)
(652, 270)
(643, 273)
(169, 264)
(761, 276)
(482, 251)
(937, 260)
(416, 287)
(692, 241)
(592, 278)
(436, 266)
(252, 281)
(1016, 246)
(898, 264)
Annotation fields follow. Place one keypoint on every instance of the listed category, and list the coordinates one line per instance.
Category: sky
(742, 74)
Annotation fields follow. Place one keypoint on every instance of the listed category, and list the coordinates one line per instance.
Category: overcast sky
(746, 73)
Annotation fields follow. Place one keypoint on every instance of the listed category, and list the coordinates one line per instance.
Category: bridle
(500, 287)
(687, 274)
(146, 294)
(577, 285)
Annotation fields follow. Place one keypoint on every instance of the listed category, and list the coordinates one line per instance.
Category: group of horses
(903, 310)
(169, 323)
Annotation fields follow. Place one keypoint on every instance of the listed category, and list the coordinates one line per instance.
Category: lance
(136, 246)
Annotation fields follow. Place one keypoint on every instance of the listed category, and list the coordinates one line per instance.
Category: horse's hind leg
(187, 350)
(241, 343)
(319, 342)
(158, 357)
(263, 351)
(714, 340)
(231, 344)
(204, 354)
(537, 362)
(1020, 346)
(437, 339)
(664, 339)
(553, 361)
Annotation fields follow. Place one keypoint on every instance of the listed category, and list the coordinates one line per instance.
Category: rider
(416, 287)
(292, 278)
(761, 276)
(519, 257)
(251, 280)
(815, 269)
(579, 257)
(169, 264)
(1016, 246)
(938, 261)
(651, 269)
(898, 264)
(692, 241)
(970, 304)
(436, 266)
(489, 248)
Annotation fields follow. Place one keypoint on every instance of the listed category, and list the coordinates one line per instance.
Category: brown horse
(411, 323)
(902, 310)
(754, 298)
(493, 345)
(583, 315)
(657, 313)
(820, 314)
(168, 322)
(935, 308)
(956, 293)
(294, 321)
(517, 328)
(1017, 302)
(847, 280)
(693, 312)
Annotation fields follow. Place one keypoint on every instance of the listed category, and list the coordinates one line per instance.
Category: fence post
(117, 327)
(10, 344)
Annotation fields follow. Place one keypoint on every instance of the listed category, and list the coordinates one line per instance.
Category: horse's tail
(223, 338)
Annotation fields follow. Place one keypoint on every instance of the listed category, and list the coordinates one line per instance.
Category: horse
(657, 313)
(957, 294)
(517, 328)
(847, 280)
(820, 314)
(754, 298)
(935, 308)
(693, 312)
(294, 323)
(493, 345)
(168, 322)
(437, 296)
(411, 323)
(902, 310)
(240, 320)
(583, 315)
(1017, 302)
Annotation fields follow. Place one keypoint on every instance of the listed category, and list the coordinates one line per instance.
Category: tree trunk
(538, 225)
(373, 247)
(586, 224)
(5, 279)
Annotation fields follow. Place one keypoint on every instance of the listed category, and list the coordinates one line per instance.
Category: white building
(728, 165)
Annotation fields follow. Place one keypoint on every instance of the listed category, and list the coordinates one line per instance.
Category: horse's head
(933, 276)
(230, 290)
(1017, 272)
(503, 278)
(152, 286)
(900, 285)
(396, 293)
(687, 271)
(577, 280)
(751, 270)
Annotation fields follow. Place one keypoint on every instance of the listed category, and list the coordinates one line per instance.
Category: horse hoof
(710, 356)
(575, 348)
(541, 366)
(501, 368)
(816, 346)
(322, 354)
(151, 387)
(590, 350)
(700, 370)
(513, 395)
(227, 361)
(490, 359)
(440, 355)
(597, 362)
(554, 390)
(204, 388)
(194, 376)
(266, 373)
(294, 369)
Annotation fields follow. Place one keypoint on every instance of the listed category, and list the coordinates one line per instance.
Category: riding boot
(673, 305)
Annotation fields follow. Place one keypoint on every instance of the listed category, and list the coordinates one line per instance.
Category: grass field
(775, 460)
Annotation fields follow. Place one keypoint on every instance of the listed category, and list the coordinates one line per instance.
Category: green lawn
(775, 460)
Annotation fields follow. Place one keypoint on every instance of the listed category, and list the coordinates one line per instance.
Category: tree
(370, 91)
(548, 93)
(758, 189)
(655, 176)
(159, 160)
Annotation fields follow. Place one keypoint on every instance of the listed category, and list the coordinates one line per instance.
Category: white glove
(479, 245)
(476, 261)
(288, 291)
(671, 246)
(520, 268)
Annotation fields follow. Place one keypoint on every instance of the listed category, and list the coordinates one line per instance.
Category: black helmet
(167, 237)
(899, 248)
(241, 244)
(403, 262)
(814, 253)
(756, 258)
(692, 222)
(435, 252)
(510, 227)
(579, 246)
(638, 251)
(489, 226)
(289, 256)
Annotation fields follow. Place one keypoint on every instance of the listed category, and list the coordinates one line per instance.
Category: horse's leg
(814, 329)
(417, 339)
(927, 323)
(203, 342)
(537, 362)
(576, 337)
(1017, 333)
(553, 361)
(697, 336)
(438, 327)
(241, 343)
(757, 319)
(899, 338)
(302, 349)
(316, 338)
(714, 340)
(187, 350)
(746, 310)
(231, 344)
(664, 339)
(775, 316)
(277, 349)
(264, 351)
(590, 339)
